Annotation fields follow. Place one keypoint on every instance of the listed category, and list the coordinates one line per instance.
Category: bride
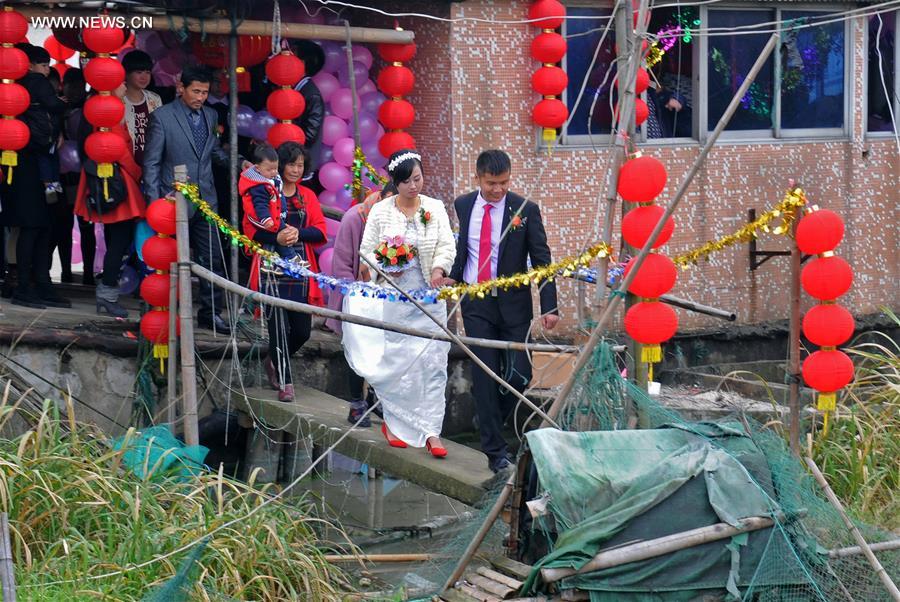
(409, 374)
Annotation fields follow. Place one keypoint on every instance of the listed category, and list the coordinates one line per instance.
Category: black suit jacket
(529, 239)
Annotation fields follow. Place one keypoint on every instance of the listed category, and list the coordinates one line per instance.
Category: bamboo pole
(171, 382)
(233, 140)
(597, 334)
(884, 546)
(860, 540)
(348, 47)
(380, 557)
(7, 565)
(324, 312)
(186, 314)
(160, 22)
(659, 546)
(794, 340)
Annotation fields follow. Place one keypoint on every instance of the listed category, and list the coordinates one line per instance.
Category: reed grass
(76, 513)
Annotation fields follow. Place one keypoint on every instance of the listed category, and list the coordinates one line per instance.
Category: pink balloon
(326, 83)
(333, 129)
(331, 227)
(363, 55)
(342, 103)
(76, 242)
(334, 176)
(367, 87)
(343, 151)
(328, 198)
(325, 260)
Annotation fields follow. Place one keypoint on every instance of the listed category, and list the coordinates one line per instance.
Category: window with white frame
(882, 89)
(707, 52)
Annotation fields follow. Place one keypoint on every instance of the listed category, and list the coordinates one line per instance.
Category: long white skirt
(409, 374)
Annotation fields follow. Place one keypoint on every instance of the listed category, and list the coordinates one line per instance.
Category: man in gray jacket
(183, 133)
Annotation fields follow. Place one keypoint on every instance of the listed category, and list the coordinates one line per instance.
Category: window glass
(730, 59)
(583, 35)
(882, 71)
(812, 72)
(670, 97)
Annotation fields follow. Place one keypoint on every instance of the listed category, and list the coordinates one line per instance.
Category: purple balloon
(334, 56)
(325, 261)
(343, 151)
(326, 155)
(331, 227)
(262, 121)
(363, 55)
(153, 45)
(128, 280)
(326, 83)
(334, 176)
(69, 161)
(245, 116)
(328, 198)
(360, 71)
(344, 199)
(368, 127)
(367, 88)
(342, 103)
(333, 129)
(370, 150)
(371, 102)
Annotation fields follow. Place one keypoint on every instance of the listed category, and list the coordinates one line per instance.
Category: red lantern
(104, 74)
(103, 40)
(819, 232)
(828, 371)
(826, 278)
(550, 113)
(548, 47)
(159, 252)
(14, 135)
(13, 26)
(155, 326)
(155, 290)
(549, 81)
(828, 325)
(61, 69)
(104, 111)
(285, 104)
(105, 147)
(396, 80)
(392, 142)
(285, 69)
(57, 51)
(547, 14)
(651, 323)
(285, 132)
(397, 53)
(641, 83)
(14, 99)
(13, 63)
(396, 114)
(641, 111)
(655, 278)
(641, 179)
(161, 216)
(70, 37)
(639, 223)
(212, 50)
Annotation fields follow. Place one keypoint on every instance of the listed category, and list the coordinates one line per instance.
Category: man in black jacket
(311, 121)
(498, 232)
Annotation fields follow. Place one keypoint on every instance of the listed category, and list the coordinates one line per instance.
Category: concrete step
(463, 475)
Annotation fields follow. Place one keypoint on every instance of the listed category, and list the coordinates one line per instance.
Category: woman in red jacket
(305, 230)
(119, 221)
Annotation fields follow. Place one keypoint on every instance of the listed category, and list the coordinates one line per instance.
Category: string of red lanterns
(104, 111)
(827, 324)
(550, 81)
(285, 69)
(14, 98)
(396, 114)
(159, 252)
(649, 322)
(59, 52)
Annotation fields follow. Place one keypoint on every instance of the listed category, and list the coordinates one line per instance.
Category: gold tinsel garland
(564, 267)
(787, 210)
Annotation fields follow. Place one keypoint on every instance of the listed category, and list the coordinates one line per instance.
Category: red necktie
(484, 245)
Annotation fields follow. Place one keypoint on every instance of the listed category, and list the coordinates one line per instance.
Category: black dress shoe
(51, 299)
(27, 300)
(501, 464)
(214, 323)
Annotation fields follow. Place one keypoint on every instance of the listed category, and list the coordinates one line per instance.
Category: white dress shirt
(470, 272)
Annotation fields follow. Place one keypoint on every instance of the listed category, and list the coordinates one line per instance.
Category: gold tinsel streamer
(787, 210)
(564, 267)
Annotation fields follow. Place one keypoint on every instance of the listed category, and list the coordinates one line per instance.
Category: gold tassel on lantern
(161, 352)
(10, 159)
(105, 171)
(827, 403)
(651, 354)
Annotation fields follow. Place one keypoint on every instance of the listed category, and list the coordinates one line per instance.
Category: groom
(498, 232)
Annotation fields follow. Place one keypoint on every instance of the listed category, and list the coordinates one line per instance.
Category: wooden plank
(511, 567)
(488, 585)
(454, 595)
(499, 577)
(477, 593)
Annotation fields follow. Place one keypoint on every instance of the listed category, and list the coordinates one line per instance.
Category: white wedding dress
(409, 374)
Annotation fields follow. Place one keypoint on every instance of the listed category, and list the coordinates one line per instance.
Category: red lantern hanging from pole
(159, 252)
(548, 48)
(396, 114)
(14, 98)
(285, 104)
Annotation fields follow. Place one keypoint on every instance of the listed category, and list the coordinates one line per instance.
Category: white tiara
(404, 157)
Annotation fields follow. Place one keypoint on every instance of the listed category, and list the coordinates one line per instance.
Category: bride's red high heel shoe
(391, 442)
(437, 450)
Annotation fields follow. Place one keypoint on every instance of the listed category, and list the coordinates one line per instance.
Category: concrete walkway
(463, 475)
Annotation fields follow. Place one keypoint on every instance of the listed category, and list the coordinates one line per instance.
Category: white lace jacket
(437, 248)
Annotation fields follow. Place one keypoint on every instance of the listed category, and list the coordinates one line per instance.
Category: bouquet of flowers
(394, 254)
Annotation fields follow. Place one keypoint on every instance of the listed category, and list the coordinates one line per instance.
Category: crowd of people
(499, 233)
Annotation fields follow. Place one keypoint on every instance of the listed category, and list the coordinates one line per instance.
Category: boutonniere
(424, 216)
(516, 222)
